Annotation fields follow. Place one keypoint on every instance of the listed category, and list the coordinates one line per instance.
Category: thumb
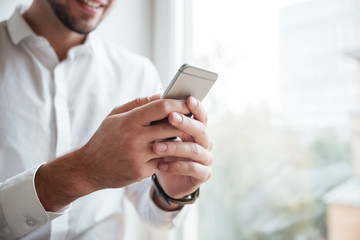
(134, 104)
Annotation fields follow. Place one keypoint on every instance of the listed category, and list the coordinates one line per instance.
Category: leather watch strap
(182, 201)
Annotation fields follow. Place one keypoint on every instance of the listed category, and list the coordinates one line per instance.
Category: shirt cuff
(21, 211)
(140, 194)
(176, 217)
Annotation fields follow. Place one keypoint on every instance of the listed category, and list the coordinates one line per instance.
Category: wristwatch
(182, 201)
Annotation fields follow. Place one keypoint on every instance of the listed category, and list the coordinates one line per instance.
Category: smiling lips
(91, 3)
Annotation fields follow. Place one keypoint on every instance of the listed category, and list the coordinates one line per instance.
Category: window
(281, 113)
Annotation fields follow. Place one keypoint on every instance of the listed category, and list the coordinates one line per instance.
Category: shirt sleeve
(153, 216)
(20, 209)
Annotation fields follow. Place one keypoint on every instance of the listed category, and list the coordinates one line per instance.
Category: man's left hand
(186, 164)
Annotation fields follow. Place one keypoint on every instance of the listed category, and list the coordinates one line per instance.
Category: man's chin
(82, 29)
(81, 23)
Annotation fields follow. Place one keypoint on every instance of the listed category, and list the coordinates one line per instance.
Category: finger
(158, 110)
(197, 109)
(187, 150)
(187, 168)
(193, 127)
(151, 167)
(186, 138)
(160, 131)
(134, 104)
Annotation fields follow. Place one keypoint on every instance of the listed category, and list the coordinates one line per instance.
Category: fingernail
(163, 167)
(193, 102)
(177, 118)
(161, 147)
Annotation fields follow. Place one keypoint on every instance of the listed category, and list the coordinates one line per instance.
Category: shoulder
(124, 65)
(10, 54)
(120, 56)
(4, 34)
(3, 25)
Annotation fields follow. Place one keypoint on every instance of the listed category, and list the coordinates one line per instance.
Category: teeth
(91, 3)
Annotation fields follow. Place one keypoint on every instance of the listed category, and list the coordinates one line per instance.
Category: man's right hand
(118, 154)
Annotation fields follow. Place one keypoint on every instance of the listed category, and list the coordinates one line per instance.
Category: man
(64, 169)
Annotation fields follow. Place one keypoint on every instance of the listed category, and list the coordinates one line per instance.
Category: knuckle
(138, 101)
(178, 167)
(210, 160)
(164, 107)
(203, 131)
(195, 149)
(210, 145)
(173, 148)
(114, 110)
(209, 174)
(206, 119)
(184, 123)
(192, 167)
(184, 107)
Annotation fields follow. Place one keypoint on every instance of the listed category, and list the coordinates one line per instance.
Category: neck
(44, 22)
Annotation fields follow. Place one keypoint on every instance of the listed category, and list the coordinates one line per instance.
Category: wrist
(170, 201)
(61, 181)
(160, 202)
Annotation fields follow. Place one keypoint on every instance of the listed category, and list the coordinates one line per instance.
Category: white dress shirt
(48, 108)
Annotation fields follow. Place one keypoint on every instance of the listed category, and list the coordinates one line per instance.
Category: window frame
(172, 46)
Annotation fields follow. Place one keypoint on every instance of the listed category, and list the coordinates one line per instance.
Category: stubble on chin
(81, 25)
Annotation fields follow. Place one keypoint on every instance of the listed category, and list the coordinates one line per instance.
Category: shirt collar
(17, 26)
(19, 29)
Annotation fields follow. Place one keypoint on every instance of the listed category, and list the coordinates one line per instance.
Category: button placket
(63, 137)
(61, 110)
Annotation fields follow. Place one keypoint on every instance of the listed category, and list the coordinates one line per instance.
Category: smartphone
(190, 81)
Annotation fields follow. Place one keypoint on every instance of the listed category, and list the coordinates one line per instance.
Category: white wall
(7, 7)
(129, 23)
(168, 37)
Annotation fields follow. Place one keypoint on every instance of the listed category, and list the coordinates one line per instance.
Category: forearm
(62, 181)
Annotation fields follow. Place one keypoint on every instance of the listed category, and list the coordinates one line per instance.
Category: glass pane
(281, 114)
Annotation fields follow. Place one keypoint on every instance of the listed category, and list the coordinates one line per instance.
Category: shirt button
(31, 222)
